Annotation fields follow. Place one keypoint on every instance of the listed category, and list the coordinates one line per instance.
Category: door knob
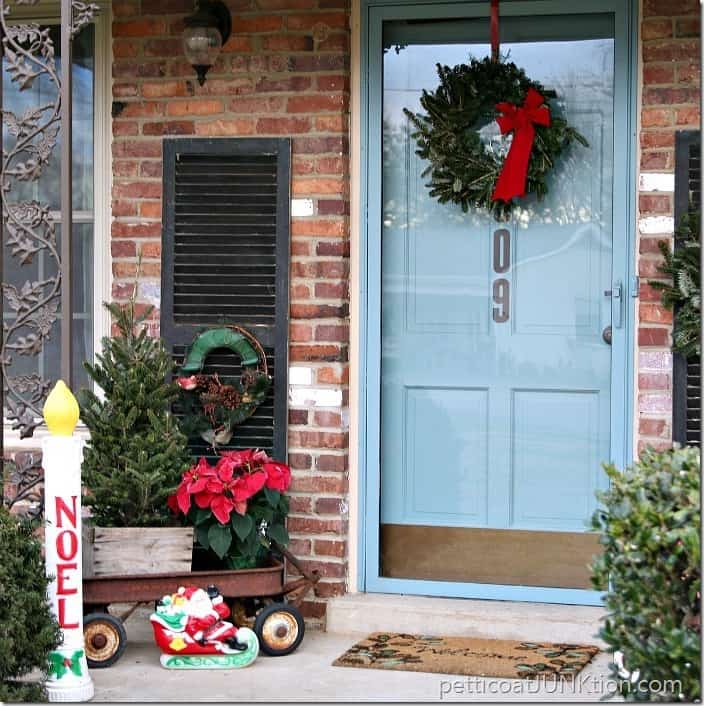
(606, 334)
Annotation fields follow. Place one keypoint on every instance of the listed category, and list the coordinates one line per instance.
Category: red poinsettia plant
(237, 506)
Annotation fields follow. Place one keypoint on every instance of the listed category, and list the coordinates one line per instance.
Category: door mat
(468, 656)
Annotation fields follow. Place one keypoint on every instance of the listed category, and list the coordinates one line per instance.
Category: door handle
(616, 294)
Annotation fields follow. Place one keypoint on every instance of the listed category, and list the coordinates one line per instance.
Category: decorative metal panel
(225, 257)
(28, 54)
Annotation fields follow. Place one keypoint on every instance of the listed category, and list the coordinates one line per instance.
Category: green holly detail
(59, 664)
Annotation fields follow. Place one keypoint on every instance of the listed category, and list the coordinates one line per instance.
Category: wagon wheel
(105, 639)
(280, 629)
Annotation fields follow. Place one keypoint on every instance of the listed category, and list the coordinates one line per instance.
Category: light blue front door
(499, 342)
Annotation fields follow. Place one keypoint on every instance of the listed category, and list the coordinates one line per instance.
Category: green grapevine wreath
(463, 168)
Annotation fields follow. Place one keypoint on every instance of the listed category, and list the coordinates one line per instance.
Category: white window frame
(50, 13)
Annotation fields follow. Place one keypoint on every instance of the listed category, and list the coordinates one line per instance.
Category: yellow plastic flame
(61, 410)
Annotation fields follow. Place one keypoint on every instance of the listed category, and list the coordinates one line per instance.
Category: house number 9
(501, 288)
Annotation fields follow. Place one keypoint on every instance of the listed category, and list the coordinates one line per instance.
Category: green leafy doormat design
(468, 656)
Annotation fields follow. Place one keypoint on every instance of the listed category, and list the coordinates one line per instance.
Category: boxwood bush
(649, 522)
(28, 630)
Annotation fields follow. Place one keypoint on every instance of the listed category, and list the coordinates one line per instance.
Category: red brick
(300, 504)
(283, 85)
(310, 525)
(151, 170)
(338, 42)
(286, 4)
(322, 269)
(329, 589)
(688, 73)
(654, 314)
(328, 506)
(649, 427)
(331, 464)
(298, 416)
(663, 95)
(300, 333)
(656, 117)
(125, 168)
(332, 123)
(318, 439)
(654, 139)
(327, 569)
(137, 190)
(650, 444)
(300, 547)
(332, 376)
(310, 20)
(336, 332)
(233, 86)
(124, 90)
(665, 7)
(318, 62)
(150, 209)
(283, 126)
(129, 269)
(126, 48)
(327, 419)
(289, 42)
(317, 103)
(248, 104)
(257, 24)
(319, 484)
(125, 8)
(331, 290)
(123, 209)
(200, 106)
(688, 116)
(330, 547)
(651, 161)
(339, 248)
(163, 7)
(654, 337)
(123, 248)
(139, 28)
(300, 247)
(165, 89)
(658, 73)
(670, 50)
(687, 27)
(300, 461)
(650, 267)
(234, 127)
(323, 185)
(169, 127)
(648, 293)
(655, 203)
(124, 128)
(135, 230)
(122, 290)
(136, 148)
(650, 246)
(653, 381)
(315, 228)
(318, 311)
(237, 44)
(326, 353)
(656, 29)
(142, 109)
(319, 145)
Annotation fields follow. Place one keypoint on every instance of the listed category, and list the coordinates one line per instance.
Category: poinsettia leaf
(278, 533)
(200, 515)
(220, 539)
(202, 537)
(242, 524)
(272, 496)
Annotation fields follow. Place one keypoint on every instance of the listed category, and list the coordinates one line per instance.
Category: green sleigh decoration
(213, 407)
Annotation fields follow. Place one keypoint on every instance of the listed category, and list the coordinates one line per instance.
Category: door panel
(495, 377)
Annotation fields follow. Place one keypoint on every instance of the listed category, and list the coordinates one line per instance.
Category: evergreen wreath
(463, 169)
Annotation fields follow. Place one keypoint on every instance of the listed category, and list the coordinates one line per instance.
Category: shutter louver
(225, 261)
(686, 382)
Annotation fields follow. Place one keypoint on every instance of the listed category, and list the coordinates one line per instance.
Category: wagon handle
(311, 578)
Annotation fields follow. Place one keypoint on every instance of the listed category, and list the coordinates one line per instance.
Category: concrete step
(537, 622)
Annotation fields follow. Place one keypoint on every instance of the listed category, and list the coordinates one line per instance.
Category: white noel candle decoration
(68, 678)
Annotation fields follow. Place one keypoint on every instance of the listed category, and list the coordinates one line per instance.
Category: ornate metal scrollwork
(27, 225)
(23, 484)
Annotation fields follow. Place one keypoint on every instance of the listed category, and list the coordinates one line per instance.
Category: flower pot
(136, 550)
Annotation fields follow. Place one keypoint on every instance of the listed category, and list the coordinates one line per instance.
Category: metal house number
(500, 287)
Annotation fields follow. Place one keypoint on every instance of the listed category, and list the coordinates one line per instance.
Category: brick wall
(284, 71)
(670, 83)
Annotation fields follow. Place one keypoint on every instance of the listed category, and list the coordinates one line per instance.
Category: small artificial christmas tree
(136, 454)
(28, 630)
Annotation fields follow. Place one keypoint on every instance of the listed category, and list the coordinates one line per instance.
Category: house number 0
(501, 288)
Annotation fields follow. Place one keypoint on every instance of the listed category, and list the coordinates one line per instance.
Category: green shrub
(650, 526)
(28, 630)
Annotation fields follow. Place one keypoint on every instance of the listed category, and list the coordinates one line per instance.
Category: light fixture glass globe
(201, 45)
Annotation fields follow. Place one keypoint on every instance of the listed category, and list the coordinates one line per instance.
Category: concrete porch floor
(308, 674)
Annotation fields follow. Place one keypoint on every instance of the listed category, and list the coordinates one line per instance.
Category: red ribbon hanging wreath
(520, 119)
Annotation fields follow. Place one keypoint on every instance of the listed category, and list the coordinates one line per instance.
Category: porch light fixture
(207, 29)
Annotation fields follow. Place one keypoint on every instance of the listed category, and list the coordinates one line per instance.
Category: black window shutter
(686, 373)
(225, 260)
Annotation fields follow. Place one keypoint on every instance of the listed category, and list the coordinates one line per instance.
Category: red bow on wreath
(512, 179)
